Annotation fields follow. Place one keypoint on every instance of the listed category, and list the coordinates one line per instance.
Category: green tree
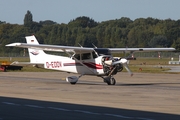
(47, 22)
(176, 44)
(28, 19)
(83, 22)
(159, 41)
(2, 22)
(100, 37)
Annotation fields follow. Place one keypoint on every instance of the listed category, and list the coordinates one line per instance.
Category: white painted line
(120, 116)
(8, 103)
(34, 106)
(87, 112)
(81, 111)
(144, 118)
(62, 109)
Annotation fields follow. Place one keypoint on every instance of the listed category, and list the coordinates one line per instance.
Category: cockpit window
(94, 55)
(77, 56)
(86, 56)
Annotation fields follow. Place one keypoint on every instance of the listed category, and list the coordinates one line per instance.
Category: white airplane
(81, 60)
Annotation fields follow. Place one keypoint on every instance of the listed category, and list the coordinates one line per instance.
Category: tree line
(123, 32)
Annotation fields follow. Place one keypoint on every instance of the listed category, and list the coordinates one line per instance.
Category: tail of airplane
(35, 55)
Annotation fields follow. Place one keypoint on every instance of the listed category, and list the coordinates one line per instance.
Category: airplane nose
(123, 61)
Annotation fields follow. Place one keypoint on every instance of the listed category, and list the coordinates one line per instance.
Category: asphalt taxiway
(46, 95)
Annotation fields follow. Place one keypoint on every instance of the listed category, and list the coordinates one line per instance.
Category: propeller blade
(123, 61)
(127, 68)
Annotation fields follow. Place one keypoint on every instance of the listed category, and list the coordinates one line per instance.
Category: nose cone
(123, 61)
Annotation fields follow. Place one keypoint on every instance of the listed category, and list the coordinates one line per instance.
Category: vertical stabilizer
(35, 55)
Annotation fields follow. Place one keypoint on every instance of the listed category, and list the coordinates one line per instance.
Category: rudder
(35, 55)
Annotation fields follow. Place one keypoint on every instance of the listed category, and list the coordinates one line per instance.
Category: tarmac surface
(173, 68)
(46, 95)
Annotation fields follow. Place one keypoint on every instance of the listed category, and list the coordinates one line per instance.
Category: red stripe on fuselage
(90, 65)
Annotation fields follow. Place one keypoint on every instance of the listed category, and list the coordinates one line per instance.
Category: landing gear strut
(110, 79)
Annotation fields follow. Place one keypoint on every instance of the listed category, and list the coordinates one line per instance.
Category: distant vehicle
(5, 65)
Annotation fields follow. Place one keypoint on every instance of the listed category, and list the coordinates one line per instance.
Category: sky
(63, 11)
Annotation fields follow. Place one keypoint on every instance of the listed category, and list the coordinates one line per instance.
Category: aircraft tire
(73, 83)
(111, 81)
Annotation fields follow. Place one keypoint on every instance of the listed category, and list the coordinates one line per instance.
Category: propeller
(123, 61)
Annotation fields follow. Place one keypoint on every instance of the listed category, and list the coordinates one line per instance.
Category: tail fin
(36, 56)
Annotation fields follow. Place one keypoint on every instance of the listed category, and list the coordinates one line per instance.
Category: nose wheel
(110, 80)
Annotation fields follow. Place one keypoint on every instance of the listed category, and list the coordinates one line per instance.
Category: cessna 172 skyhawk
(81, 60)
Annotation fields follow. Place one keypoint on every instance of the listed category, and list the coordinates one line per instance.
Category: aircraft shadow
(146, 84)
(84, 82)
(26, 109)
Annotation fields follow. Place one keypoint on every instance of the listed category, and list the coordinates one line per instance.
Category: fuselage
(89, 66)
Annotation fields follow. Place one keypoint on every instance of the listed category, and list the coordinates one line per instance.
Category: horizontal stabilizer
(16, 63)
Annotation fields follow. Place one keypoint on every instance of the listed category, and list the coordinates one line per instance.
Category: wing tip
(13, 44)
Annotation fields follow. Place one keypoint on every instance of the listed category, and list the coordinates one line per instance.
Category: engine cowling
(72, 79)
(119, 67)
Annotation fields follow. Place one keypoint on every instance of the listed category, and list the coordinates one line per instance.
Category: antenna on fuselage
(80, 45)
(94, 45)
(94, 50)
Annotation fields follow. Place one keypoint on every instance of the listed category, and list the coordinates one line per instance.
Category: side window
(94, 55)
(86, 56)
(77, 56)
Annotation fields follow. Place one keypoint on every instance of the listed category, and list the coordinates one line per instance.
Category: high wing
(83, 49)
(117, 50)
(52, 47)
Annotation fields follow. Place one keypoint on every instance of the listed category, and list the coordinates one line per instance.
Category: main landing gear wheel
(110, 80)
(73, 83)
